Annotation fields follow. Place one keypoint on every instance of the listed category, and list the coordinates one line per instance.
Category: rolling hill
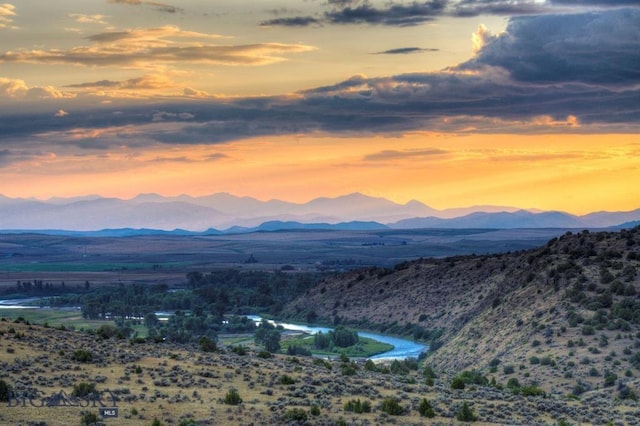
(562, 316)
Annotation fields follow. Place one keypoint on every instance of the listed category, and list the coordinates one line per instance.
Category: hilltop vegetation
(565, 316)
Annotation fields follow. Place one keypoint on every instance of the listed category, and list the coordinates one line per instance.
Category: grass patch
(54, 318)
(364, 348)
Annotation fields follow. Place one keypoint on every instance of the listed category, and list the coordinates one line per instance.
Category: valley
(547, 334)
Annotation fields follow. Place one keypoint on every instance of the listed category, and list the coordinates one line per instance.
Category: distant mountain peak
(224, 210)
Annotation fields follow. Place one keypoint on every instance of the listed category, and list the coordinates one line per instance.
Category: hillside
(537, 337)
(562, 315)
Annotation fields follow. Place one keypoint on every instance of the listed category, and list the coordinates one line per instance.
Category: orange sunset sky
(532, 104)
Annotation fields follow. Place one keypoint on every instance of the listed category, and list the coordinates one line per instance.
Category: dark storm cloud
(412, 13)
(396, 15)
(405, 51)
(355, 12)
(592, 47)
(297, 21)
(603, 3)
(497, 7)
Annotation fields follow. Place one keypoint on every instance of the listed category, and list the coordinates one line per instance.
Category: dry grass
(174, 383)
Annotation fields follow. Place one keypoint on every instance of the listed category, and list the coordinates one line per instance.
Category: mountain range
(223, 212)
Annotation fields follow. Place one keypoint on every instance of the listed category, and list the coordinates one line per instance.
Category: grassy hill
(545, 336)
(565, 316)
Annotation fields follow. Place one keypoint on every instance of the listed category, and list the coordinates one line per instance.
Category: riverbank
(402, 348)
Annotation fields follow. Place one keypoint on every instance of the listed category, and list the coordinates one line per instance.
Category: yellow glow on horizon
(573, 173)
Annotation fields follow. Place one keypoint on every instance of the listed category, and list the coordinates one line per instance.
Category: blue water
(402, 348)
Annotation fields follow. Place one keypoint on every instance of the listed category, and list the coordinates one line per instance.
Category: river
(402, 348)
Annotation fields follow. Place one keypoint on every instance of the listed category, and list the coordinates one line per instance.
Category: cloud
(161, 7)
(596, 47)
(191, 92)
(296, 21)
(388, 155)
(468, 8)
(493, 92)
(6, 15)
(403, 14)
(396, 14)
(61, 113)
(18, 89)
(162, 116)
(405, 51)
(603, 3)
(149, 48)
(147, 82)
(89, 19)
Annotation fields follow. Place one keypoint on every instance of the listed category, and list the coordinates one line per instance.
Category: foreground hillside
(565, 316)
(60, 377)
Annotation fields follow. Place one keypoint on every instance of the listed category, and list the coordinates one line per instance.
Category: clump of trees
(340, 337)
(268, 335)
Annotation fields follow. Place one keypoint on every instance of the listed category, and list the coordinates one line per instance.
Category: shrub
(5, 391)
(610, 378)
(425, 409)
(466, 414)
(82, 355)
(348, 369)
(508, 369)
(370, 366)
(207, 345)
(232, 397)
(239, 350)
(285, 379)
(513, 383)
(298, 350)
(428, 372)
(89, 419)
(357, 406)
(295, 415)
(391, 406)
(83, 389)
(264, 354)
(532, 390)
(457, 383)
(315, 410)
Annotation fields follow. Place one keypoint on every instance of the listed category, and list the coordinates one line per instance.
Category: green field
(89, 266)
(363, 349)
(54, 318)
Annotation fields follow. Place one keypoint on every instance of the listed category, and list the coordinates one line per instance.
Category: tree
(232, 397)
(207, 345)
(391, 406)
(5, 391)
(465, 414)
(268, 336)
(344, 337)
(272, 341)
(425, 409)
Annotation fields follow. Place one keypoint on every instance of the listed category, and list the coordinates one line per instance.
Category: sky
(455, 103)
